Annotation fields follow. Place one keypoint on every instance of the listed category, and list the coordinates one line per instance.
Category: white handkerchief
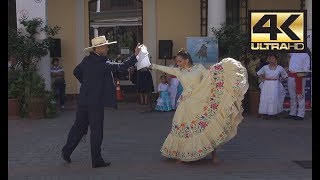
(143, 58)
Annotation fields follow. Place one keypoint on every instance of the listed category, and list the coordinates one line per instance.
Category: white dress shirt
(299, 62)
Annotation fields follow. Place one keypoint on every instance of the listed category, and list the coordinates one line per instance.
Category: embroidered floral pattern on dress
(203, 119)
(183, 155)
(187, 140)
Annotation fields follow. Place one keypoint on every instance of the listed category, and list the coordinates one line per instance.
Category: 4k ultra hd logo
(278, 31)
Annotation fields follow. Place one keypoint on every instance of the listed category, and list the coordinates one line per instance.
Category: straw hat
(99, 41)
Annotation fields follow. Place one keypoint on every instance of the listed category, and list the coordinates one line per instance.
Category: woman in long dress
(272, 91)
(144, 85)
(209, 110)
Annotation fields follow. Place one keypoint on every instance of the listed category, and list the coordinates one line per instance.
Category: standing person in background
(164, 100)
(272, 91)
(173, 86)
(299, 65)
(179, 92)
(13, 63)
(59, 83)
(144, 85)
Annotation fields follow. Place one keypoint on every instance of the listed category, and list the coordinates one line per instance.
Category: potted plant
(233, 42)
(25, 44)
(28, 49)
(32, 93)
(13, 94)
(50, 104)
(253, 94)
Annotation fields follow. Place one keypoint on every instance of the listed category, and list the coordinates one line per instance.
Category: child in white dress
(272, 91)
(164, 101)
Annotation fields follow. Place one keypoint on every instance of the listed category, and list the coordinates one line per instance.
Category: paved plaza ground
(262, 149)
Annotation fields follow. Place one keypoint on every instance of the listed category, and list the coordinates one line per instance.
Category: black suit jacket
(97, 84)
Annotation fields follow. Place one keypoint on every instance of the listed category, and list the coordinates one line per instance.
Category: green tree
(26, 47)
(233, 42)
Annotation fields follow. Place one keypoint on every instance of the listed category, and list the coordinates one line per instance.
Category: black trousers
(87, 116)
(60, 90)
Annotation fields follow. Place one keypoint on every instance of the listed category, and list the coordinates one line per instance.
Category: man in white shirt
(299, 62)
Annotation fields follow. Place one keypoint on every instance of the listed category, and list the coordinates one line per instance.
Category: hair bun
(182, 49)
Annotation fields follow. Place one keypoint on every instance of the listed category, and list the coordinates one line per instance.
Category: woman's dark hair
(274, 55)
(185, 55)
(163, 76)
(54, 59)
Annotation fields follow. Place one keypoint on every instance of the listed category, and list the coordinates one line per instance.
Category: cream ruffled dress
(209, 111)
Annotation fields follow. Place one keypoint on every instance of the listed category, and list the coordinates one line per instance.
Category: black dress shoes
(66, 157)
(298, 118)
(291, 117)
(100, 164)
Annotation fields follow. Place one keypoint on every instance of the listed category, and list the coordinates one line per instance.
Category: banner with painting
(203, 50)
(308, 87)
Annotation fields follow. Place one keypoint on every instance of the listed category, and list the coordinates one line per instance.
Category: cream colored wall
(86, 23)
(274, 4)
(150, 32)
(177, 20)
(62, 13)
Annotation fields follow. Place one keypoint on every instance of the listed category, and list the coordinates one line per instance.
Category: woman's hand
(261, 77)
(286, 69)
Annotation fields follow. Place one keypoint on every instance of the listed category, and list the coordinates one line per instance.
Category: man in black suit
(97, 91)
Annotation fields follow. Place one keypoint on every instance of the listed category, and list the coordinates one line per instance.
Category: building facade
(148, 20)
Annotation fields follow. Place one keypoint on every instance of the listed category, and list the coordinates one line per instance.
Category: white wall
(29, 9)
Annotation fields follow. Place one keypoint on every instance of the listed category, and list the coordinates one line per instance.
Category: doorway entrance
(121, 21)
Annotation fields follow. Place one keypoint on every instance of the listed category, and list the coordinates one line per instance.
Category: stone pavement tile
(262, 149)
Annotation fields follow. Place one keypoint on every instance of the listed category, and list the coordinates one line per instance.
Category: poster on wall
(203, 50)
(308, 87)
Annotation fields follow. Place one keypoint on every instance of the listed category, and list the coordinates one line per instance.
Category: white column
(80, 44)
(308, 7)
(216, 14)
(98, 5)
(29, 9)
(96, 32)
(151, 38)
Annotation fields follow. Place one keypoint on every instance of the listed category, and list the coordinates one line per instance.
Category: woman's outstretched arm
(169, 70)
